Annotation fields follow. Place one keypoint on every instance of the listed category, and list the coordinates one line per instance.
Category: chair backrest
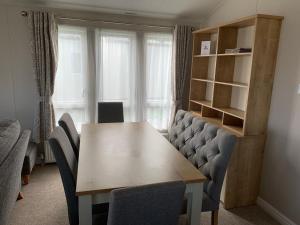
(207, 146)
(110, 112)
(67, 164)
(157, 204)
(67, 123)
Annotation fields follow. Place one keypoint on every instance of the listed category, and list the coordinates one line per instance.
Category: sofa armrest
(10, 173)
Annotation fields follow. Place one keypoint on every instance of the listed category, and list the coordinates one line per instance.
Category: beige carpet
(45, 204)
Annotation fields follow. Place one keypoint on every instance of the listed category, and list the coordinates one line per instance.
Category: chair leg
(25, 179)
(214, 217)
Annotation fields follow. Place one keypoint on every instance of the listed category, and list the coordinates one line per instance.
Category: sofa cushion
(9, 134)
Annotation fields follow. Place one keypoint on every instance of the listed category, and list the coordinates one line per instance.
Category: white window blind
(70, 91)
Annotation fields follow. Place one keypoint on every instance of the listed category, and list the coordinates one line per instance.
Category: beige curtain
(182, 58)
(44, 51)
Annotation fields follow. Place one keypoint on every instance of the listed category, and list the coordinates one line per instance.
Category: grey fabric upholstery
(158, 204)
(30, 158)
(9, 134)
(208, 148)
(67, 123)
(11, 165)
(67, 164)
(110, 112)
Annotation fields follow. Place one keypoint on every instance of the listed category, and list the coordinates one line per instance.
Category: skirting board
(268, 208)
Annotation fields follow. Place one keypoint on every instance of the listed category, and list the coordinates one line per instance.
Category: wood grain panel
(128, 154)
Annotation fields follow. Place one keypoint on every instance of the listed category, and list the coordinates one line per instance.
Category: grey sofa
(208, 148)
(13, 145)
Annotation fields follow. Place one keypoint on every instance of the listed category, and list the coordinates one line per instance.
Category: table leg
(194, 203)
(85, 210)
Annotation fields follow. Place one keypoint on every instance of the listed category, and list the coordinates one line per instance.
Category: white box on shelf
(205, 47)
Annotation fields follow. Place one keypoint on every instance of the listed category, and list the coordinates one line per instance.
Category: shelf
(203, 80)
(234, 112)
(218, 121)
(235, 129)
(236, 54)
(201, 56)
(202, 102)
(234, 84)
(209, 30)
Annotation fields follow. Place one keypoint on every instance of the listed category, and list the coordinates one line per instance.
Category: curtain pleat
(44, 52)
(182, 59)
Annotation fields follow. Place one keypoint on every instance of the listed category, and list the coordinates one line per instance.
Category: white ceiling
(180, 9)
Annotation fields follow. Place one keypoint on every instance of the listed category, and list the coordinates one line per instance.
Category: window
(158, 56)
(133, 67)
(70, 91)
(117, 69)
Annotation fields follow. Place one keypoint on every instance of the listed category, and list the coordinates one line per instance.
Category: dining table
(120, 155)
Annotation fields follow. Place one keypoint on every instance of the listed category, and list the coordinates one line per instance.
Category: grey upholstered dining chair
(67, 123)
(67, 164)
(110, 112)
(208, 148)
(156, 204)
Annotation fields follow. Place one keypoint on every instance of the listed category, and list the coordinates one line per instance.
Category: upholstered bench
(208, 148)
(29, 161)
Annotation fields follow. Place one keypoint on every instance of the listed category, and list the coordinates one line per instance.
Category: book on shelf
(237, 50)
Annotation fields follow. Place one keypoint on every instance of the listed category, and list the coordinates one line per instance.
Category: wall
(280, 183)
(17, 84)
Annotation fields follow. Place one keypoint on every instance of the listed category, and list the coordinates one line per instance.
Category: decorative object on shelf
(238, 50)
(233, 91)
(205, 47)
(208, 47)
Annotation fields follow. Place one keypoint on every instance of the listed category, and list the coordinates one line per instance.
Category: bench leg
(20, 196)
(214, 217)
(25, 179)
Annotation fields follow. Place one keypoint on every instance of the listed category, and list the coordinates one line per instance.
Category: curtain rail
(25, 13)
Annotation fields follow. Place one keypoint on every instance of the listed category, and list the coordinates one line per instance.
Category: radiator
(49, 157)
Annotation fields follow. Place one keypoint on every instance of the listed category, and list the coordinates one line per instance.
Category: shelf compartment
(214, 115)
(209, 35)
(232, 37)
(196, 107)
(230, 99)
(233, 69)
(233, 123)
(201, 92)
(204, 68)
(233, 112)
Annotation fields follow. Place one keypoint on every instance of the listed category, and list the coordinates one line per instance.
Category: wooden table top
(115, 155)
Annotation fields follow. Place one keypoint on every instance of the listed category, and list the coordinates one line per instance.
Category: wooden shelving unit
(233, 91)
